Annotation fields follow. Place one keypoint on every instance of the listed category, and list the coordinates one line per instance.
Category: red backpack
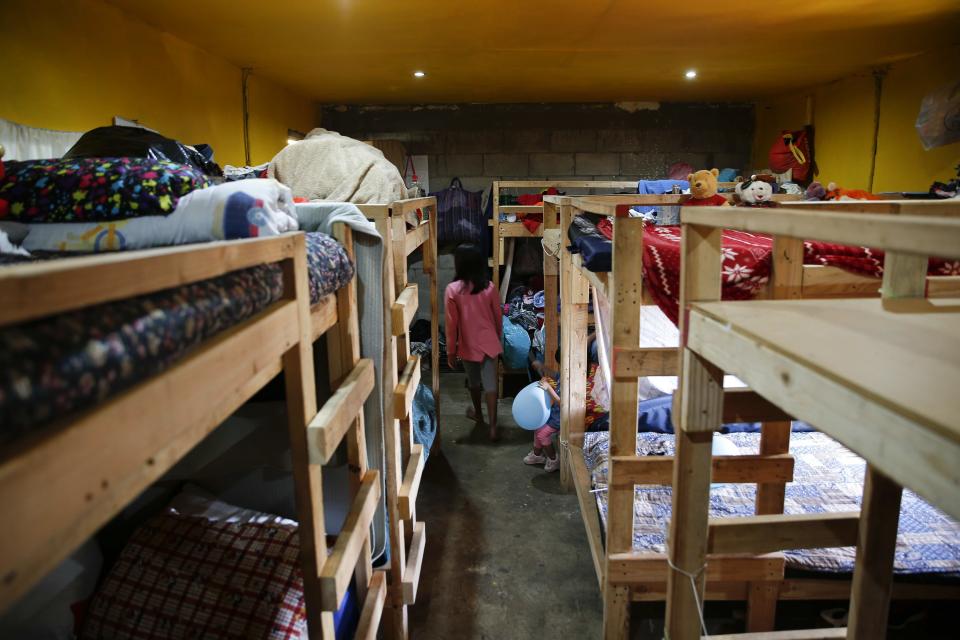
(794, 150)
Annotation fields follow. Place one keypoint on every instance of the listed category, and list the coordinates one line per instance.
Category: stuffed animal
(836, 193)
(703, 190)
(816, 192)
(755, 192)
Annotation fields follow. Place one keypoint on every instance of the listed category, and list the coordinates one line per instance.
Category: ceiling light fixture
(418, 74)
(691, 74)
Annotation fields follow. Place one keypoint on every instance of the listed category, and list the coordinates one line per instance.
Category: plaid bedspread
(828, 478)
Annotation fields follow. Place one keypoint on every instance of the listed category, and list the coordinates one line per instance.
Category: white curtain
(30, 143)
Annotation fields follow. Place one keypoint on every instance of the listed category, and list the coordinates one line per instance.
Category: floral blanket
(747, 261)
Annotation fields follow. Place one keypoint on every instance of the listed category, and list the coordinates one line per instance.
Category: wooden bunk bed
(624, 574)
(406, 226)
(905, 425)
(58, 486)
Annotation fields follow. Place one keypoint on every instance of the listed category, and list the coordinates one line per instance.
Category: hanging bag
(794, 151)
(459, 217)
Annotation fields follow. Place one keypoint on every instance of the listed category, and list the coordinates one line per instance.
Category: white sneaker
(552, 464)
(532, 458)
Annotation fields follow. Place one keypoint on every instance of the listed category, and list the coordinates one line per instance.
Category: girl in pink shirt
(474, 321)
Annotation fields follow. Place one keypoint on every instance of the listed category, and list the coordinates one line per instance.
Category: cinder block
(740, 162)
(504, 164)
(551, 164)
(598, 164)
(460, 164)
(427, 142)
(704, 140)
(573, 140)
(696, 160)
(526, 141)
(648, 166)
(663, 141)
(619, 140)
(479, 141)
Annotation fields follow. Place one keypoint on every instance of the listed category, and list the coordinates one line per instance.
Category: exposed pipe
(244, 76)
(878, 76)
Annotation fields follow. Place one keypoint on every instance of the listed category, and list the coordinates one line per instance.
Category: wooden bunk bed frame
(857, 403)
(405, 459)
(60, 486)
(625, 575)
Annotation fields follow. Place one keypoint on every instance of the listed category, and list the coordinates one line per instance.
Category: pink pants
(543, 436)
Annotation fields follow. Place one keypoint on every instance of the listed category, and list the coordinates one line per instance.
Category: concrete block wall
(482, 143)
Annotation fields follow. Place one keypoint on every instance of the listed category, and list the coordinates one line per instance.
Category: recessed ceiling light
(691, 74)
(418, 74)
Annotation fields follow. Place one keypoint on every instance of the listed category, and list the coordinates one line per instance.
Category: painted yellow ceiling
(365, 51)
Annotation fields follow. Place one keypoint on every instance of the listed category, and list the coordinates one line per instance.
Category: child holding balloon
(543, 450)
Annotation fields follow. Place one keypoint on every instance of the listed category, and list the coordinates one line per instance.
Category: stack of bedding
(827, 478)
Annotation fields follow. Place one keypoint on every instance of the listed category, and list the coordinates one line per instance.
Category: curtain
(29, 143)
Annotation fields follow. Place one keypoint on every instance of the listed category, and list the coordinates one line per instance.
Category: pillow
(203, 568)
(94, 189)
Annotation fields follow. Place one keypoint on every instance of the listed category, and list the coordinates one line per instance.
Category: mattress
(746, 259)
(52, 367)
(828, 478)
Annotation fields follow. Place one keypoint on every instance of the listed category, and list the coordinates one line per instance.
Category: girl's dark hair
(471, 266)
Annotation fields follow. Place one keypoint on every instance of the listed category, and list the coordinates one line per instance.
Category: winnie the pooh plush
(703, 190)
(755, 192)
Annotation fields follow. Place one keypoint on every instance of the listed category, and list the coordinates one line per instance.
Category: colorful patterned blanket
(828, 477)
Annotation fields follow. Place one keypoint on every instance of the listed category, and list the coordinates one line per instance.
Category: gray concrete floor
(506, 553)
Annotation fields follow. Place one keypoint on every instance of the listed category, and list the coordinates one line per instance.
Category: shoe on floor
(552, 464)
(532, 458)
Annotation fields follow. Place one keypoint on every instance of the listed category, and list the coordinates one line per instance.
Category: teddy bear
(815, 192)
(755, 192)
(703, 190)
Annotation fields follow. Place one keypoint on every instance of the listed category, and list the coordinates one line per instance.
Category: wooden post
(550, 286)
(876, 543)
(497, 248)
(625, 299)
(430, 266)
(301, 394)
(402, 351)
(700, 410)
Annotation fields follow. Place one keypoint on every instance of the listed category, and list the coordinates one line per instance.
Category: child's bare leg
(492, 414)
(476, 412)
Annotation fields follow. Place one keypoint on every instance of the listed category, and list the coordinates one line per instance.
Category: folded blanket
(244, 209)
(328, 166)
(94, 189)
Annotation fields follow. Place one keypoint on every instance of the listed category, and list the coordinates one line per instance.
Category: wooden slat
(323, 315)
(566, 184)
(406, 388)
(904, 275)
(328, 427)
(46, 288)
(411, 482)
(746, 405)
(517, 230)
(338, 568)
(633, 567)
(89, 467)
(405, 308)
(411, 573)
(923, 235)
(658, 470)
(902, 207)
(372, 611)
(797, 634)
(414, 238)
(803, 589)
(520, 208)
(588, 509)
(778, 532)
(644, 361)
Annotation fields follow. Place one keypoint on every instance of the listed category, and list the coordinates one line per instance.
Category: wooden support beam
(372, 610)
(904, 275)
(796, 634)
(746, 405)
(338, 568)
(588, 509)
(658, 470)
(634, 567)
(411, 573)
(406, 388)
(778, 532)
(328, 427)
(323, 315)
(644, 361)
(404, 309)
(411, 482)
(414, 238)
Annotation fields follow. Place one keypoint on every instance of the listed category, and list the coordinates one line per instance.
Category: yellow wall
(843, 114)
(77, 63)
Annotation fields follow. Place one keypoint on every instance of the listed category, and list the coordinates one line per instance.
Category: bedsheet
(54, 366)
(828, 478)
(746, 259)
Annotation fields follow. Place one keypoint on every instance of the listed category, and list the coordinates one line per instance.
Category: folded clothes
(233, 210)
(94, 189)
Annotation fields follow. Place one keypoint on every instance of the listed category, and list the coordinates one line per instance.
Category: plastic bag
(135, 142)
(516, 345)
(938, 122)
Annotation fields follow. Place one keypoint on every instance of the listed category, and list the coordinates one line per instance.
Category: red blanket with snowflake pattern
(746, 263)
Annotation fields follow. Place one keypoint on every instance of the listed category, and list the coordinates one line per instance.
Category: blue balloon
(531, 407)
